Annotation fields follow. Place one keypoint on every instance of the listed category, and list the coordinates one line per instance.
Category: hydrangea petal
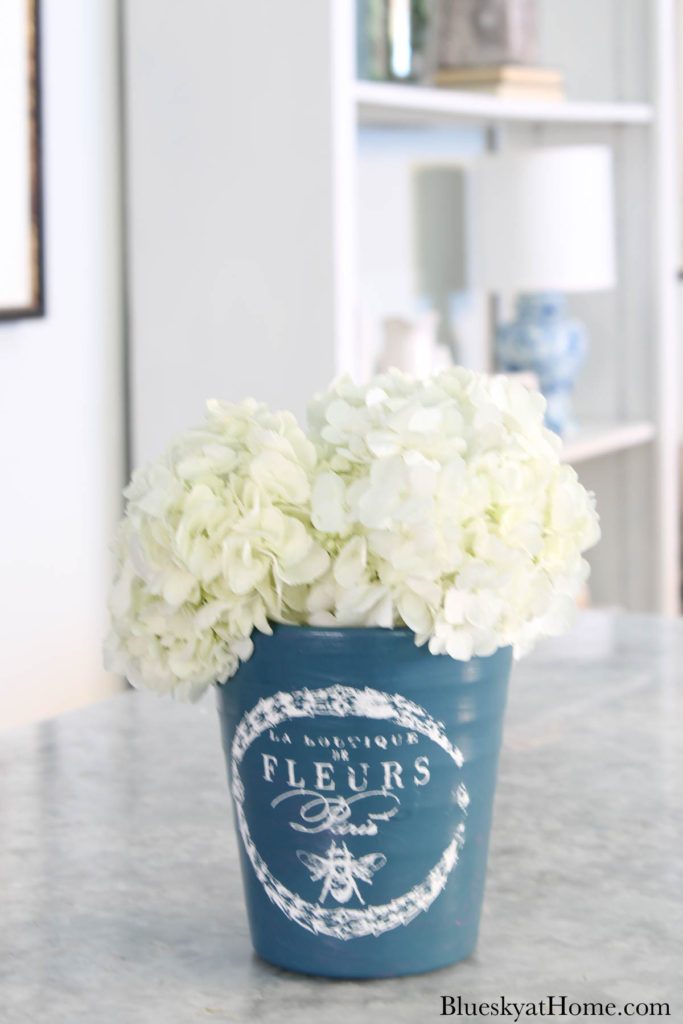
(349, 566)
(328, 503)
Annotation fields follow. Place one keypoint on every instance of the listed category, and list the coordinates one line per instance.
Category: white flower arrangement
(439, 505)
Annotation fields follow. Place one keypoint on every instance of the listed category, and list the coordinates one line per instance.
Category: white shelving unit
(626, 449)
(287, 184)
(596, 439)
(383, 104)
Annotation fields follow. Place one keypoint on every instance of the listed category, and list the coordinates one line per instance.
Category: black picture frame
(33, 243)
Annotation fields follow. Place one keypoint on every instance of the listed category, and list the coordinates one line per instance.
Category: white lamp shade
(543, 220)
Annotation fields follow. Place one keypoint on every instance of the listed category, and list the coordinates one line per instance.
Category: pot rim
(292, 627)
(396, 633)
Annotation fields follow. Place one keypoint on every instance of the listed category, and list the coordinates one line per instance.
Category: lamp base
(545, 341)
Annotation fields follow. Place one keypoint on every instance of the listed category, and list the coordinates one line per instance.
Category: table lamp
(542, 224)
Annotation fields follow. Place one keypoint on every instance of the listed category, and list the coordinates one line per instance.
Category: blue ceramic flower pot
(362, 771)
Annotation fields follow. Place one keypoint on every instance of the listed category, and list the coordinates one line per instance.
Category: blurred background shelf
(596, 439)
(380, 103)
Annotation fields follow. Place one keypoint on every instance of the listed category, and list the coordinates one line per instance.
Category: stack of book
(512, 81)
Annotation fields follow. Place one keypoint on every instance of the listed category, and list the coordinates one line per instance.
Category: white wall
(231, 185)
(61, 427)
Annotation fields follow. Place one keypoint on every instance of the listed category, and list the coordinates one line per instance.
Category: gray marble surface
(120, 897)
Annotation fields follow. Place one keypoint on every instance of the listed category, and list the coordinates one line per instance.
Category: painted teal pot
(362, 770)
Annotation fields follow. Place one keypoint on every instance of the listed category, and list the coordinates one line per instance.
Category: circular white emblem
(343, 701)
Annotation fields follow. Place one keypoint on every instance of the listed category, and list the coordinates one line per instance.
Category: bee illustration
(340, 870)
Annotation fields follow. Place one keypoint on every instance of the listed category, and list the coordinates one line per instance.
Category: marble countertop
(120, 896)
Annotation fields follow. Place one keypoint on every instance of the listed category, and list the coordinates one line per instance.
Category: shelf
(386, 104)
(593, 440)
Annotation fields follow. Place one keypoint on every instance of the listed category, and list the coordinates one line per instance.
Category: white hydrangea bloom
(440, 505)
(448, 511)
(216, 541)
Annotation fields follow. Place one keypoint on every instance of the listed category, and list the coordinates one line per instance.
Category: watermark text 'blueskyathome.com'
(550, 1006)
